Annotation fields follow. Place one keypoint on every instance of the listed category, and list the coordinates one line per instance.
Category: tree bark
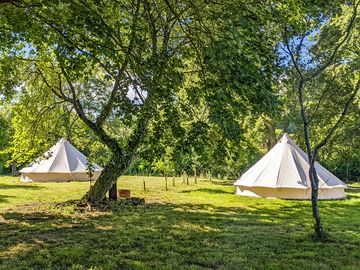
(319, 231)
(113, 191)
(314, 181)
(122, 157)
(106, 181)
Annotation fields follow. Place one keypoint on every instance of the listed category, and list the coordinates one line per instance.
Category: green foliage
(341, 154)
(5, 137)
(39, 121)
(221, 92)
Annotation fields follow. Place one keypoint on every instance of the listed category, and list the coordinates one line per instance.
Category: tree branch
(151, 23)
(60, 95)
(320, 99)
(294, 59)
(342, 42)
(105, 112)
(99, 131)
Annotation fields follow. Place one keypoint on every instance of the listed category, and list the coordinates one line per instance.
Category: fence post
(144, 184)
(166, 188)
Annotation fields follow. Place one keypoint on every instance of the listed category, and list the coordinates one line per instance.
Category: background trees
(227, 74)
(180, 86)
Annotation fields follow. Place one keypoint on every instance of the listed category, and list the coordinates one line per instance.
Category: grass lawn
(202, 226)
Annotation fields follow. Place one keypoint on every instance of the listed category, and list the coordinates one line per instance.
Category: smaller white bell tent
(62, 163)
(284, 173)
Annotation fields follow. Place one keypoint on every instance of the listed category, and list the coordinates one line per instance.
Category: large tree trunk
(106, 181)
(121, 160)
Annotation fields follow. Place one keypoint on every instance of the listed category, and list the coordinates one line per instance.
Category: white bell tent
(284, 173)
(62, 163)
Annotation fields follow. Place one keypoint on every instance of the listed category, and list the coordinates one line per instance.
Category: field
(200, 226)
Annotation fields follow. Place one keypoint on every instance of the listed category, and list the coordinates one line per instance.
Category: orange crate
(125, 193)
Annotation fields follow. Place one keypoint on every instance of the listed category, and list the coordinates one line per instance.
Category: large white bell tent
(284, 173)
(62, 163)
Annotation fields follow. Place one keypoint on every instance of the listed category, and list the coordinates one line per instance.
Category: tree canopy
(172, 87)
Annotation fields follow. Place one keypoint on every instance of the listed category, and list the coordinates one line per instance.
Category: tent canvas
(62, 163)
(284, 173)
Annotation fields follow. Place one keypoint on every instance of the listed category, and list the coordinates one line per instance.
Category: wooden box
(124, 193)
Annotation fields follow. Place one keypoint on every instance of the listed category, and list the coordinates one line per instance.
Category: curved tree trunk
(120, 161)
(106, 181)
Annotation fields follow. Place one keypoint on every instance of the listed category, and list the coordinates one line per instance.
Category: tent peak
(285, 138)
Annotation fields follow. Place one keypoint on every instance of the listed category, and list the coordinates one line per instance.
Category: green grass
(202, 226)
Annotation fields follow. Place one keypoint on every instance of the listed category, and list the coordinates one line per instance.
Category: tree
(94, 54)
(131, 67)
(322, 55)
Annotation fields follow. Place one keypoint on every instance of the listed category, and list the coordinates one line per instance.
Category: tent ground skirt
(57, 177)
(291, 193)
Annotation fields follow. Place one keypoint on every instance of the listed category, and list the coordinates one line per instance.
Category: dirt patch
(3, 220)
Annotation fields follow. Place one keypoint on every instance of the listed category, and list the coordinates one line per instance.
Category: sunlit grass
(200, 226)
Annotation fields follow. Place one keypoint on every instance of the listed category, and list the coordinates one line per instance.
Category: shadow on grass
(178, 236)
(350, 197)
(353, 190)
(222, 182)
(208, 190)
(352, 193)
(12, 186)
(4, 198)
